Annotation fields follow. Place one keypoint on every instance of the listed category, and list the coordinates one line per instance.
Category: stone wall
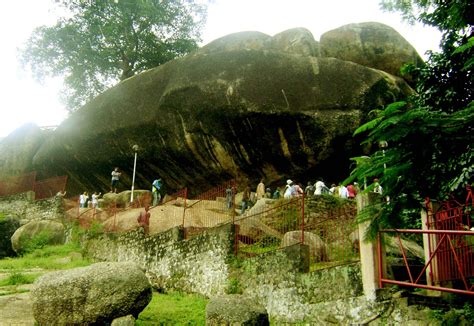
(24, 208)
(292, 296)
(279, 279)
(172, 263)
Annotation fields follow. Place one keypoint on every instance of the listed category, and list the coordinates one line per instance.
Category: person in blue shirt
(155, 189)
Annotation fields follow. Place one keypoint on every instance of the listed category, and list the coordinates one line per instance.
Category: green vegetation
(49, 258)
(174, 309)
(429, 136)
(38, 241)
(234, 286)
(97, 43)
(17, 278)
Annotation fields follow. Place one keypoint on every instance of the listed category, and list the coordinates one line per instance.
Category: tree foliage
(98, 43)
(430, 136)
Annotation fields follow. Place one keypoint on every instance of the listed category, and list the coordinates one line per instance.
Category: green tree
(100, 42)
(430, 136)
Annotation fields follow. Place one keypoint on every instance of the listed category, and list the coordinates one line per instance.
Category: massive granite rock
(370, 44)
(18, 149)
(247, 105)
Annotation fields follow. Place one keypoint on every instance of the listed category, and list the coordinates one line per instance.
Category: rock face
(370, 44)
(96, 294)
(18, 149)
(235, 310)
(8, 226)
(247, 105)
(39, 231)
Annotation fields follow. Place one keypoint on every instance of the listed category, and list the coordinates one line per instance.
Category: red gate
(448, 245)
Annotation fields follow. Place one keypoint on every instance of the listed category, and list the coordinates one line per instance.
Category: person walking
(155, 189)
(115, 179)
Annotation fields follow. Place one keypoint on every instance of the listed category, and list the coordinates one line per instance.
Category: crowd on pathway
(293, 189)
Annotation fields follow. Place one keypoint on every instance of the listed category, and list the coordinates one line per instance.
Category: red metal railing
(267, 227)
(49, 187)
(209, 209)
(18, 184)
(452, 259)
(332, 234)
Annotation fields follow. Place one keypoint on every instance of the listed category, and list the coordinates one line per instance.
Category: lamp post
(135, 149)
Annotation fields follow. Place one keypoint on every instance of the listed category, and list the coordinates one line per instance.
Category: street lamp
(135, 149)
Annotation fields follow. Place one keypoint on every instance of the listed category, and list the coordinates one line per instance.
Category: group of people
(92, 201)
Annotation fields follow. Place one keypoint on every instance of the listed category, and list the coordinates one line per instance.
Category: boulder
(18, 148)
(318, 250)
(370, 44)
(8, 226)
(235, 310)
(297, 41)
(239, 106)
(122, 199)
(411, 248)
(37, 233)
(96, 294)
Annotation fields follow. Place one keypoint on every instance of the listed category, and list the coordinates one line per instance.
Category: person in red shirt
(144, 220)
(352, 192)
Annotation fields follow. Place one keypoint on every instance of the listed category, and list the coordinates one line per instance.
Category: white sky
(23, 100)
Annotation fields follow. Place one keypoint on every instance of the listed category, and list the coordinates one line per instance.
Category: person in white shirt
(343, 193)
(320, 186)
(95, 199)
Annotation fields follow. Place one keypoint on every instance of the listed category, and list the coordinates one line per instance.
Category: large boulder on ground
(235, 310)
(245, 105)
(96, 294)
(370, 44)
(8, 226)
(37, 233)
(318, 250)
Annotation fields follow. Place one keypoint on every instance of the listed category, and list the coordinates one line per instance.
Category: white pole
(133, 178)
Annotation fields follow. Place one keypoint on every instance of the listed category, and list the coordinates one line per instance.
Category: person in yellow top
(260, 190)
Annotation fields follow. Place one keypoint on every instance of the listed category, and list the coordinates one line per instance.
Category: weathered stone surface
(18, 148)
(237, 41)
(372, 44)
(124, 321)
(122, 199)
(96, 294)
(8, 226)
(235, 310)
(411, 248)
(318, 250)
(50, 232)
(297, 41)
(245, 105)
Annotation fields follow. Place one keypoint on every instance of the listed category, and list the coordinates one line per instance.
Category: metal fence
(18, 184)
(267, 226)
(209, 209)
(332, 235)
(43, 189)
(448, 267)
(50, 187)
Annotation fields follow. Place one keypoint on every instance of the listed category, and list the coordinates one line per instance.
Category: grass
(174, 309)
(48, 258)
(16, 278)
